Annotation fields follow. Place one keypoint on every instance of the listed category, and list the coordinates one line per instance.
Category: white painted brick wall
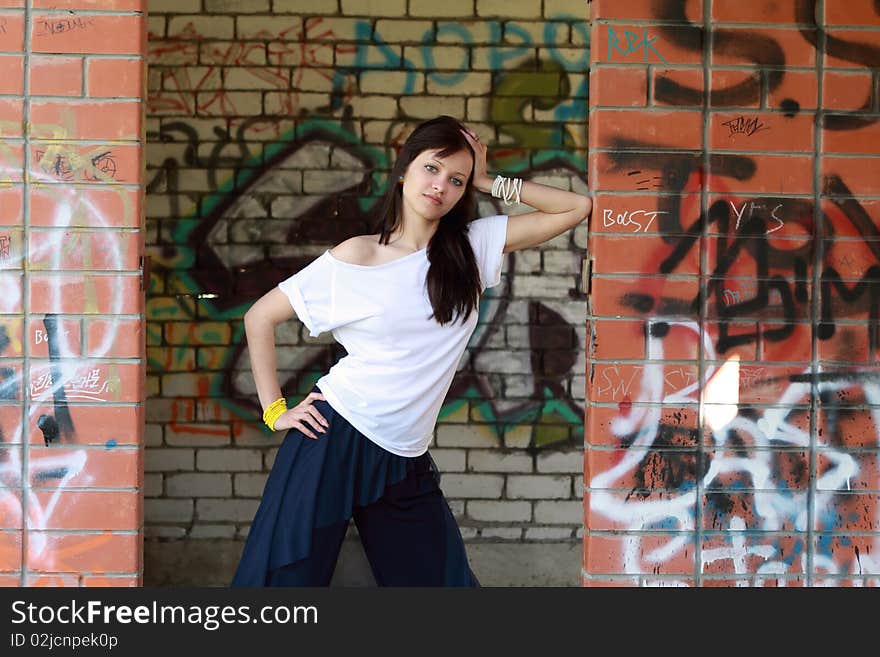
(538, 486)
(501, 511)
(205, 474)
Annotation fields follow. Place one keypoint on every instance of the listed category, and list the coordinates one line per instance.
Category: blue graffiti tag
(633, 43)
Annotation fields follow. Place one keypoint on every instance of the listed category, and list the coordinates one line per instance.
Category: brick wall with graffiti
(732, 420)
(71, 299)
(271, 128)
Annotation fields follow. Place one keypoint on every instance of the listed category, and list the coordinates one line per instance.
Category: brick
(102, 468)
(212, 531)
(547, 534)
(236, 6)
(11, 206)
(86, 120)
(88, 34)
(99, 5)
(95, 553)
(153, 485)
(450, 460)
(372, 82)
(472, 485)
(538, 487)
(761, 131)
(499, 511)
(69, 250)
(732, 12)
(485, 436)
(504, 9)
(12, 32)
(96, 381)
(232, 460)
(114, 338)
(622, 87)
(403, 31)
(765, 174)
(115, 78)
(372, 8)
(82, 206)
(198, 484)
(12, 74)
(168, 510)
(169, 460)
(229, 510)
(854, 12)
(56, 76)
(100, 510)
(559, 512)
(847, 91)
(11, 125)
(864, 139)
(858, 173)
(112, 581)
(250, 485)
(793, 48)
(671, 129)
(565, 9)
(450, 8)
(175, 6)
(267, 27)
(197, 435)
(502, 533)
(732, 88)
(494, 461)
(305, 6)
(797, 88)
(692, 10)
(426, 107)
(855, 41)
(570, 462)
(85, 293)
(201, 27)
(646, 44)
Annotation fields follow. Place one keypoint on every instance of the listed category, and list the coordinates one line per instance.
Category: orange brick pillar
(71, 293)
(732, 398)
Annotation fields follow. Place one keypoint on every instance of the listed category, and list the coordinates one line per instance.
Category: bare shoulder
(357, 250)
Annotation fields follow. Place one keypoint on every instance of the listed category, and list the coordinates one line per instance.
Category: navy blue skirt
(315, 487)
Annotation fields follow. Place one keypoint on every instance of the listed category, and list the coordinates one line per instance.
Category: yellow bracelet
(273, 411)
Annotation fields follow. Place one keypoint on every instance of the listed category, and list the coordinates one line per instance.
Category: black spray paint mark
(45, 475)
(49, 427)
(62, 411)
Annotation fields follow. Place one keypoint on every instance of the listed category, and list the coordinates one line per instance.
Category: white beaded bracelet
(507, 189)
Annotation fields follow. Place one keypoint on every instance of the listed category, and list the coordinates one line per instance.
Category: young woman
(403, 303)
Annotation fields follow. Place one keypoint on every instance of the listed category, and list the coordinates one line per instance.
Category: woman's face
(432, 185)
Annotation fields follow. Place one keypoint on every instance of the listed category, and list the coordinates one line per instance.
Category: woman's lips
(434, 199)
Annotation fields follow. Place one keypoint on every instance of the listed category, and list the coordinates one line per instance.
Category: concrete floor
(212, 562)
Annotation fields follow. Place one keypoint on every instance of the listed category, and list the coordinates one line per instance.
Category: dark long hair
(453, 277)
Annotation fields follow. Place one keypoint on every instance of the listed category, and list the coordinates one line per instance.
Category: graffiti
(743, 126)
(627, 219)
(764, 466)
(740, 453)
(633, 43)
(752, 205)
(216, 249)
(53, 26)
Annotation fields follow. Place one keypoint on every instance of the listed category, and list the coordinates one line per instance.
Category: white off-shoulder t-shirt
(400, 362)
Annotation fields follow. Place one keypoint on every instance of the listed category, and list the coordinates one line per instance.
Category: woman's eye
(431, 168)
(456, 182)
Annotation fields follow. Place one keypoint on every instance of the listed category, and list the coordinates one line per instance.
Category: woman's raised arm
(556, 210)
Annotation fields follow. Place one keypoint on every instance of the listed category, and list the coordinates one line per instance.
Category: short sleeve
(487, 237)
(311, 292)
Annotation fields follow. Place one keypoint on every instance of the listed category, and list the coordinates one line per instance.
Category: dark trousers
(317, 486)
(409, 535)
